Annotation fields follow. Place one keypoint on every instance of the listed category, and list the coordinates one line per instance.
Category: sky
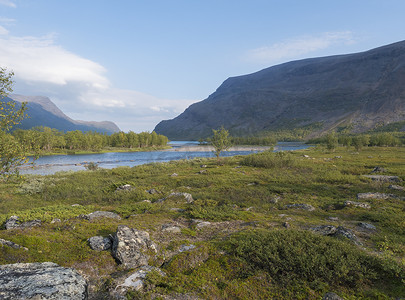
(137, 62)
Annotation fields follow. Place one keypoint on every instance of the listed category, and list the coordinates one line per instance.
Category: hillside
(43, 112)
(355, 91)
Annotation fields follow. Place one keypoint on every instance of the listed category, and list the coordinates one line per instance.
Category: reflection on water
(46, 165)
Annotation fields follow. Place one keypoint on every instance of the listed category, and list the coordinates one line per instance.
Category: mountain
(43, 112)
(355, 91)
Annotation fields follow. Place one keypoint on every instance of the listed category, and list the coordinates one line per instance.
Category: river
(46, 165)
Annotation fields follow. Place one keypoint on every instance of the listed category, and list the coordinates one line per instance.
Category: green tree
(220, 140)
(12, 153)
(331, 141)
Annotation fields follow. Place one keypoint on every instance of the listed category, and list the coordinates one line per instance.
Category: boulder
(171, 228)
(331, 296)
(186, 247)
(136, 280)
(100, 243)
(185, 196)
(152, 191)
(357, 204)
(346, 233)
(14, 223)
(11, 244)
(131, 246)
(396, 187)
(303, 206)
(370, 195)
(101, 214)
(379, 170)
(367, 226)
(41, 281)
(324, 229)
(125, 187)
(383, 178)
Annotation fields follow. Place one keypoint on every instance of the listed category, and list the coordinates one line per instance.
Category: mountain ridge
(43, 112)
(360, 90)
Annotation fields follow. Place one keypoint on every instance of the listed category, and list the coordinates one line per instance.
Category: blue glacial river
(47, 165)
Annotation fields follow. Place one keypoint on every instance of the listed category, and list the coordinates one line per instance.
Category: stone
(100, 214)
(100, 243)
(125, 187)
(41, 281)
(203, 166)
(136, 280)
(275, 199)
(152, 191)
(14, 223)
(333, 219)
(396, 187)
(286, 225)
(346, 233)
(186, 196)
(174, 175)
(303, 206)
(331, 296)
(306, 156)
(357, 204)
(371, 195)
(170, 228)
(202, 172)
(202, 224)
(56, 220)
(367, 226)
(186, 247)
(383, 178)
(12, 244)
(378, 170)
(324, 229)
(131, 246)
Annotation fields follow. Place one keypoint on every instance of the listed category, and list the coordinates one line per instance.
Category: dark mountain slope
(360, 90)
(43, 112)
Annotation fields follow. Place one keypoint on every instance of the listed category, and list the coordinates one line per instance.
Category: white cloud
(79, 86)
(9, 3)
(3, 31)
(299, 46)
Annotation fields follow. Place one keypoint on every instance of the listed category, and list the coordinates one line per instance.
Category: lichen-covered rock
(11, 244)
(131, 246)
(100, 243)
(370, 195)
(181, 196)
(331, 296)
(14, 223)
(41, 281)
(383, 178)
(324, 229)
(125, 187)
(346, 233)
(396, 187)
(171, 228)
(357, 204)
(367, 226)
(136, 280)
(303, 206)
(101, 214)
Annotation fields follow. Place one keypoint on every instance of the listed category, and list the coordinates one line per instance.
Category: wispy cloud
(9, 3)
(79, 86)
(298, 47)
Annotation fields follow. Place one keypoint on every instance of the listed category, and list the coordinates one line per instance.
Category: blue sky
(139, 62)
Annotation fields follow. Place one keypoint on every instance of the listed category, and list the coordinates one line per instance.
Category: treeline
(358, 141)
(45, 139)
(251, 140)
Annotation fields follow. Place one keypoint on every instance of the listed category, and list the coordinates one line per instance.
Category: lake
(46, 165)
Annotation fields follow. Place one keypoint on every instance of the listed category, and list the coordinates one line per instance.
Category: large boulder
(100, 214)
(303, 206)
(41, 281)
(131, 246)
(14, 223)
(99, 243)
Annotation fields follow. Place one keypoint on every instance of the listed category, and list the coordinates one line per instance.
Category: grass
(246, 252)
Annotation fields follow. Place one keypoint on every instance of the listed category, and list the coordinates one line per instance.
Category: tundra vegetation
(262, 216)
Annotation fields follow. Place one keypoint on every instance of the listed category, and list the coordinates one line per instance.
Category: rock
(374, 196)
(125, 187)
(378, 170)
(136, 280)
(202, 172)
(41, 281)
(76, 204)
(203, 166)
(346, 233)
(324, 229)
(186, 196)
(338, 156)
(101, 214)
(331, 296)
(56, 220)
(177, 209)
(367, 226)
(286, 225)
(174, 175)
(171, 228)
(152, 191)
(303, 206)
(14, 223)
(186, 247)
(357, 204)
(12, 245)
(100, 243)
(202, 224)
(275, 199)
(396, 187)
(306, 156)
(130, 246)
(383, 178)
(333, 219)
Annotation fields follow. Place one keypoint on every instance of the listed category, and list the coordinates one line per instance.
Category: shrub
(269, 160)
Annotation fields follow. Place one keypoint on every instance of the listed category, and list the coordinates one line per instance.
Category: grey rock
(370, 195)
(56, 220)
(11, 244)
(346, 233)
(136, 280)
(101, 214)
(130, 246)
(331, 296)
(174, 175)
(286, 225)
(324, 229)
(41, 281)
(14, 223)
(275, 199)
(171, 228)
(357, 204)
(303, 206)
(152, 191)
(100, 243)
(202, 224)
(383, 178)
(378, 170)
(125, 187)
(333, 219)
(186, 196)
(186, 247)
(367, 226)
(396, 187)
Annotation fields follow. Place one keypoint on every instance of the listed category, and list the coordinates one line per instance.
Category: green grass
(246, 252)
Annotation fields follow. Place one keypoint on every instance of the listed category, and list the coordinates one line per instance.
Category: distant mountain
(356, 91)
(43, 112)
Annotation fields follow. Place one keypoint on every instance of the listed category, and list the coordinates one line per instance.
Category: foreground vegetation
(254, 248)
